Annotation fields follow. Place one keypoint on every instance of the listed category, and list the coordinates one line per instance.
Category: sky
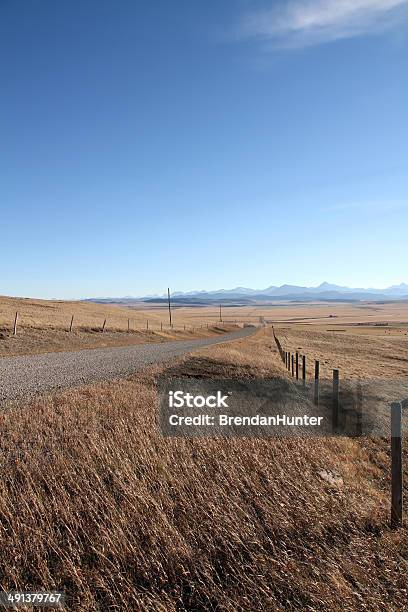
(202, 145)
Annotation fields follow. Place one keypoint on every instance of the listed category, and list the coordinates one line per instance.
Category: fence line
(396, 424)
(87, 323)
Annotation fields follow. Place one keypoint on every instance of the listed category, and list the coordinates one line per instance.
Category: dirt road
(22, 377)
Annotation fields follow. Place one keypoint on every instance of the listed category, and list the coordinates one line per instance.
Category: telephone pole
(168, 297)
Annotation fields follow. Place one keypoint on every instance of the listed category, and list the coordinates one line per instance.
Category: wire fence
(103, 324)
(295, 364)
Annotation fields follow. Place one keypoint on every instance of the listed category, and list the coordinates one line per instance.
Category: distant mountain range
(243, 295)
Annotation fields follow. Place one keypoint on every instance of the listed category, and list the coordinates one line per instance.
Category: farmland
(43, 325)
(117, 515)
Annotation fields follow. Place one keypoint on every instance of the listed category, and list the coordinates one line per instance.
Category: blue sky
(202, 145)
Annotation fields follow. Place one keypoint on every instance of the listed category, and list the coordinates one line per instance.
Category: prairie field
(56, 314)
(357, 352)
(43, 325)
(94, 501)
(372, 352)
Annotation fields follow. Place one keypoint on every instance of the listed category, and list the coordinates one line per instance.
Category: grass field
(94, 501)
(358, 352)
(43, 325)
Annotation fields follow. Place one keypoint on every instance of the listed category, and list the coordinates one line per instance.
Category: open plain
(43, 325)
(95, 502)
(119, 517)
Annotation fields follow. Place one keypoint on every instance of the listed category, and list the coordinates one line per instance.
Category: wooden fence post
(147, 324)
(304, 370)
(335, 403)
(297, 365)
(15, 325)
(359, 410)
(316, 383)
(71, 324)
(128, 325)
(161, 326)
(103, 326)
(288, 361)
(293, 364)
(396, 465)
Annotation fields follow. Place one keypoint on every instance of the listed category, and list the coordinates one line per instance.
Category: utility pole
(168, 297)
(220, 315)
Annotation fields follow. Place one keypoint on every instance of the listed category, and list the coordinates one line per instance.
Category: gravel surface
(22, 377)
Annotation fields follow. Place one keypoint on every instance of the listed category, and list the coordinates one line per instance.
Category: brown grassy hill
(43, 325)
(95, 501)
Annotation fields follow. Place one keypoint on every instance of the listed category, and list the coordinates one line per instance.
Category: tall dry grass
(56, 314)
(94, 501)
(382, 356)
(43, 326)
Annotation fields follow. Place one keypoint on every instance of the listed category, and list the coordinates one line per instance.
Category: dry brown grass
(31, 341)
(358, 355)
(334, 314)
(56, 314)
(43, 326)
(94, 501)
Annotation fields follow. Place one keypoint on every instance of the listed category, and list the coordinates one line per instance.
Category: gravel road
(23, 377)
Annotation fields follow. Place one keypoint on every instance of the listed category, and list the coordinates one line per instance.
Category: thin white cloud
(294, 23)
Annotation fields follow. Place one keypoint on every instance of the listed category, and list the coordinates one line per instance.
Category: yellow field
(43, 325)
(342, 334)
(122, 518)
(57, 314)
